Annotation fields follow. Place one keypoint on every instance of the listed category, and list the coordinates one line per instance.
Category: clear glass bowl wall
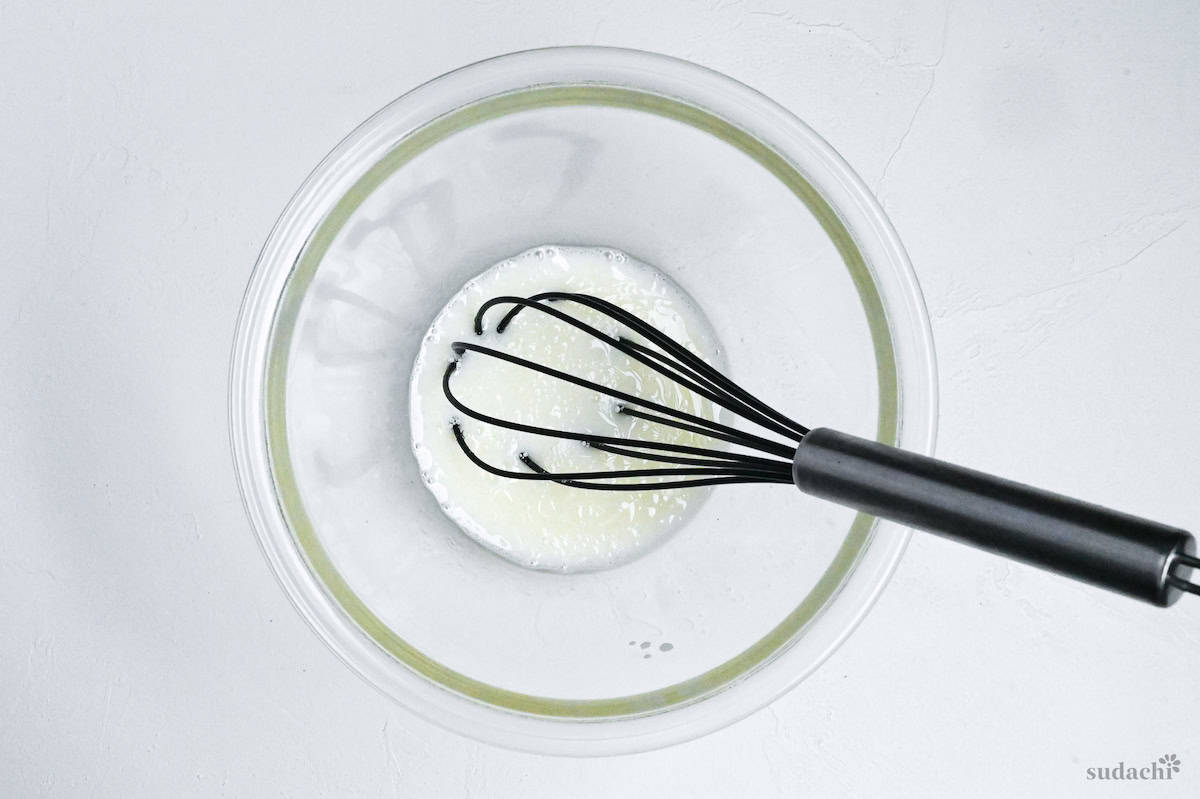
(753, 214)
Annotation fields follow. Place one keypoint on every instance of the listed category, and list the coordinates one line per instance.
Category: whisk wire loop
(680, 373)
(702, 466)
(669, 345)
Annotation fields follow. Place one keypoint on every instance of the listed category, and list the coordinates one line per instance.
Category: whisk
(1130, 555)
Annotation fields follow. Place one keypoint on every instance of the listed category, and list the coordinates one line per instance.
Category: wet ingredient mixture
(540, 524)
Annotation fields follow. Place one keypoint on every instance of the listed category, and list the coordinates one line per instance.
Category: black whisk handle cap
(1130, 555)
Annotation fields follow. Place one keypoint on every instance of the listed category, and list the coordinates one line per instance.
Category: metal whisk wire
(701, 466)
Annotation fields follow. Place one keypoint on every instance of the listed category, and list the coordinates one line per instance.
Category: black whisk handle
(1133, 556)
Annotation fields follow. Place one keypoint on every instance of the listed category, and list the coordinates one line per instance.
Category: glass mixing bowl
(753, 214)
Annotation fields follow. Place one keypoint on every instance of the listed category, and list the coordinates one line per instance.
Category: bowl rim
(916, 415)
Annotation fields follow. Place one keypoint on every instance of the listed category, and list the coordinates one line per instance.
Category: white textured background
(1040, 161)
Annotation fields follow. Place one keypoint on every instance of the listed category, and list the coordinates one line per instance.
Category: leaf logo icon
(1170, 761)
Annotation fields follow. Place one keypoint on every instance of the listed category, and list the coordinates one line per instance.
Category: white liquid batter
(541, 524)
